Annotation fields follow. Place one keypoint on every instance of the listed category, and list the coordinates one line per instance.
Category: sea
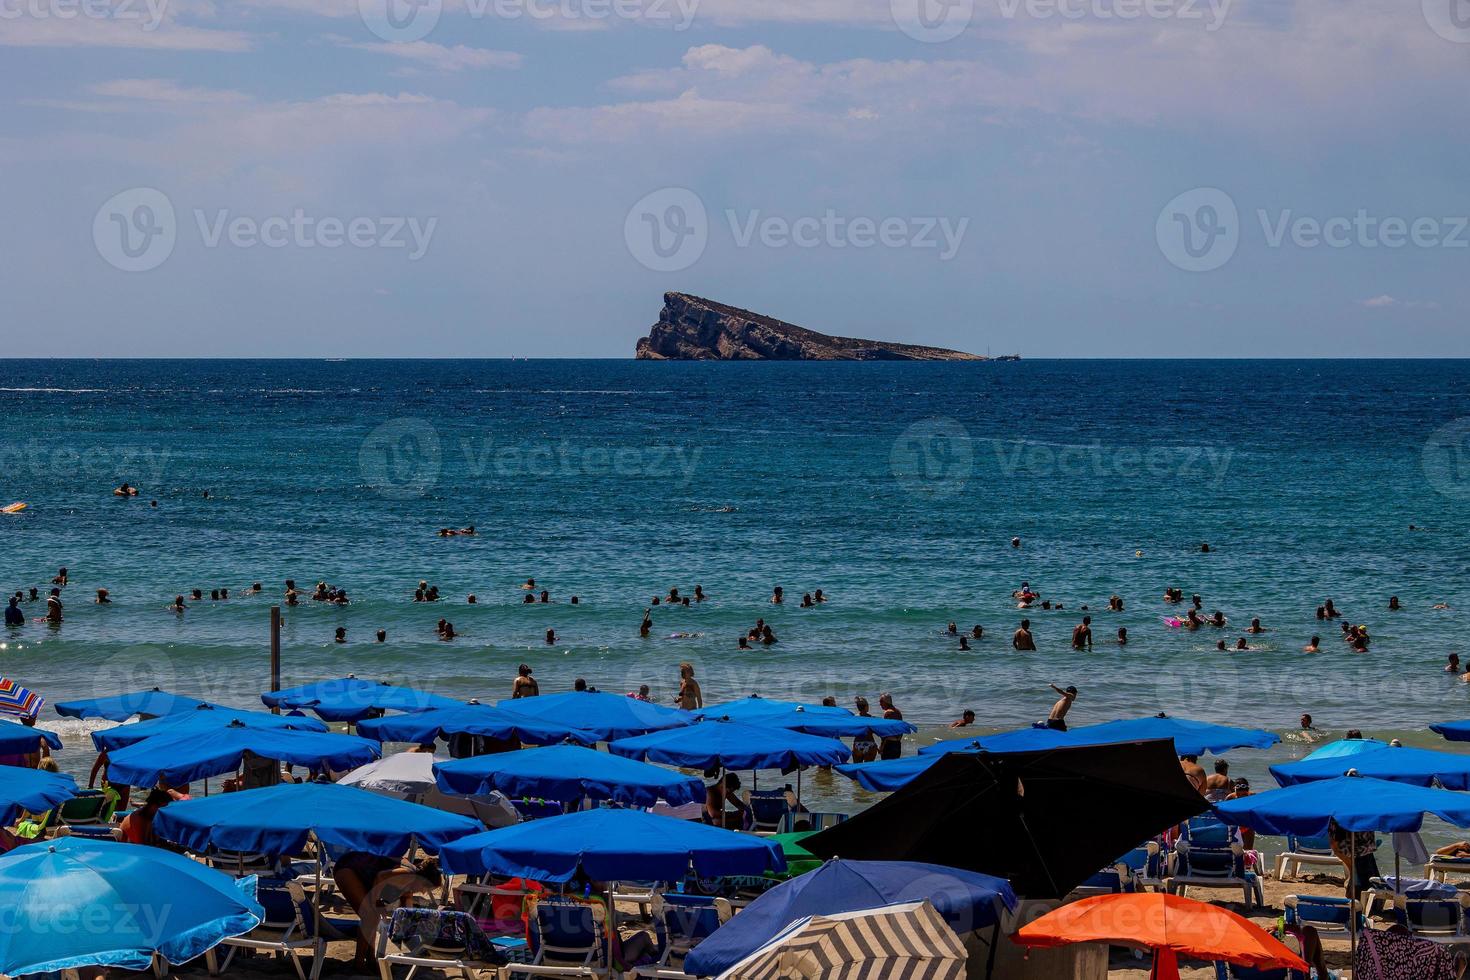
(896, 488)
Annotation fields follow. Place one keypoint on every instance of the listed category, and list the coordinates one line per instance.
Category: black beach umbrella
(1046, 821)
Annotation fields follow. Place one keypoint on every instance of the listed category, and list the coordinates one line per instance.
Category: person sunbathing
(370, 884)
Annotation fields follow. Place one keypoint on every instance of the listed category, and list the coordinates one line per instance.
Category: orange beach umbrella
(1169, 925)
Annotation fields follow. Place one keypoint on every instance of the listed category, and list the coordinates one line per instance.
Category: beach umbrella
(1051, 818)
(153, 703)
(967, 901)
(1422, 767)
(612, 845)
(887, 775)
(19, 701)
(1453, 731)
(1016, 740)
(279, 820)
(902, 942)
(812, 719)
(731, 745)
(183, 757)
(402, 774)
(798, 859)
(17, 739)
(201, 718)
(490, 721)
(1190, 737)
(568, 774)
(32, 790)
(607, 716)
(1355, 802)
(1170, 925)
(73, 902)
(351, 700)
(1345, 746)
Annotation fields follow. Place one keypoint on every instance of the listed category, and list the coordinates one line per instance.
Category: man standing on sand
(1082, 634)
(1022, 639)
(691, 698)
(1057, 719)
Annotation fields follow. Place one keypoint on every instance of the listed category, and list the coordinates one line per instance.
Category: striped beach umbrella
(909, 941)
(19, 701)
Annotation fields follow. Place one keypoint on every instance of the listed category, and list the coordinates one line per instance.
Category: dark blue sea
(896, 488)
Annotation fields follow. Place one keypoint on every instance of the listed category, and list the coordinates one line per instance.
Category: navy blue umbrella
(966, 899)
(567, 774)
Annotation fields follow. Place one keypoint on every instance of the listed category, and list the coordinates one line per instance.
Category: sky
(525, 178)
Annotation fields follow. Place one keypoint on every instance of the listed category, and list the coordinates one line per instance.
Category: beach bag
(1398, 956)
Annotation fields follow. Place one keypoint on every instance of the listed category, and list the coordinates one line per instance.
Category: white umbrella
(910, 941)
(402, 775)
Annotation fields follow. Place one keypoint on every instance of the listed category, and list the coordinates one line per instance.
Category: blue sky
(526, 177)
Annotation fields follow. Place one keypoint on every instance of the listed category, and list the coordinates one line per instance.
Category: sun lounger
(1229, 971)
(440, 939)
(1330, 915)
(567, 939)
(1440, 867)
(1440, 920)
(1214, 867)
(90, 808)
(1306, 850)
(1147, 865)
(799, 820)
(284, 933)
(770, 808)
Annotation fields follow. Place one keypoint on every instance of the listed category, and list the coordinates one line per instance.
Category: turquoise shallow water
(894, 487)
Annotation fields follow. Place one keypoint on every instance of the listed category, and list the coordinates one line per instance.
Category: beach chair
(1229, 971)
(284, 932)
(1330, 915)
(440, 939)
(1440, 920)
(1306, 850)
(1112, 880)
(240, 863)
(1207, 832)
(680, 922)
(799, 820)
(1441, 866)
(90, 808)
(500, 909)
(567, 939)
(1147, 867)
(1214, 867)
(770, 809)
(537, 809)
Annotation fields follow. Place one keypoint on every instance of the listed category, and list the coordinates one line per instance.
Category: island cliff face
(693, 329)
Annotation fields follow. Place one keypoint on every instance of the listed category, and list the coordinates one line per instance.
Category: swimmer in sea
(1220, 645)
(545, 595)
(1453, 666)
(977, 632)
(468, 532)
(214, 595)
(1192, 620)
(178, 605)
(690, 697)
(1172, 595)
(1022, 639)
(744, 643)
(806, 600)
(1122, 636)
(1115, 604)
(448, 633)
(1056, 719)
(819, 596)
(60, 578)
(528, 600)
(197, 594)
(525, 685)
(13, 615)
(1015, 542)
(125, 491)
(530, 584)
(1255, 627)
(699, 595)
(574, 600)
(471, 599)
(53, 607)
(674, 595)
(1329, 610)
(1393, 603)
(382, 636)
(777, 596)
(1197, 601)
(767, 635)
(966, 719)
(1240, 644)
(341, 636)
(1218, 619)
(103, 598)
(1315, 646)
(551, 636)
(964, 643)
(647, 624)
(952, 629)
(1082, 634)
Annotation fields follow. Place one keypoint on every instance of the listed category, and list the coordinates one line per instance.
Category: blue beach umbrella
(425, 727)
(33, 790)
(203, 718)
(1422, 767)
(183, 757)
(887, 775)
(1355, 802)
(731, 745)
(17, 739)
(73, 902)
(608, 716)
(351, 700)
(1190, 737)
(1345, 746)
(967, 900)
(567, 774)
(612, 845)
(280, 819)
(120, 707)
(813, 719)
(1453, 731)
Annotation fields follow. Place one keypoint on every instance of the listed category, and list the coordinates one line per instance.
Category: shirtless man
(1022, 640)
(53, 607)
(525, 685)
(691, 698)
(1193, 772)
(647, 624)
(1255, 627)
(1218, 784)
(1082, 634)
(1314, 646)
(1056, 720)
(966, 719)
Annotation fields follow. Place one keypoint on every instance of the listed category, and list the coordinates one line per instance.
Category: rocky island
(693, 329)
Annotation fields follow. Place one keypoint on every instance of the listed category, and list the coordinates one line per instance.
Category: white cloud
(1379, 302)
(440, 57)
(164, 90)
(93, 32)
